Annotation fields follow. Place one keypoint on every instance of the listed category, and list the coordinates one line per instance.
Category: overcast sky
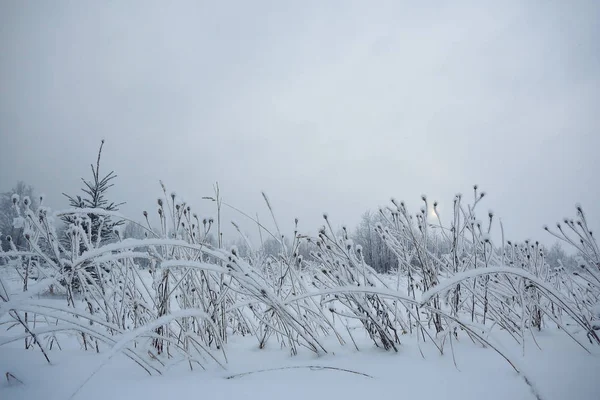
(326, 105)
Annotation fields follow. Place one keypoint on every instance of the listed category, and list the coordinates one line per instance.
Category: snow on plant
(514, 302)
(113, 293)
(341, 264)
(583, 285)
(177, 295)
(185, 272)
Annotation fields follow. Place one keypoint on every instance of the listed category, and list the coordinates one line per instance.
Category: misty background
(326, 106)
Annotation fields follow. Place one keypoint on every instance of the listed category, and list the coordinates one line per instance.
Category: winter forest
(299, 200)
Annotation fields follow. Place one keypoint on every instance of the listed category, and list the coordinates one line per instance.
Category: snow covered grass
(174, 304)
(559, 371)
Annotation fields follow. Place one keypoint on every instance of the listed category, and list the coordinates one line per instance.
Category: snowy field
(558, 369)
(173, 316)
(155, 266)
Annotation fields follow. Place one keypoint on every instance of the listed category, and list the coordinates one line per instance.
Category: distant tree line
(105, 228)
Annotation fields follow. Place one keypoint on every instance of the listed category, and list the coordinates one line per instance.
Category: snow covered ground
(560, 370)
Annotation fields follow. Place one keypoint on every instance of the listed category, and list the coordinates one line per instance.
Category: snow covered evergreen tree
(100, 226)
